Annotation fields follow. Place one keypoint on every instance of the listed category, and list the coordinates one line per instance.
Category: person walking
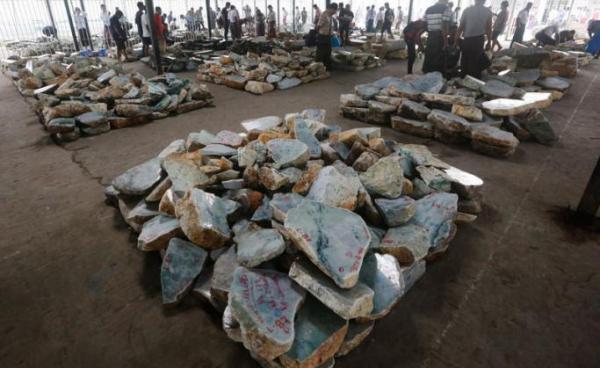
(159, 27)
(317, 12)
(521, 24)
(118, 34)
(80, 20)
(346, 17)
(199, 19)
(379, 20)
(399, 18)
(234, 23)
(324, 30)
(475, 26)
(388, 20)
(225, 20)
(145, 36)
(304, 17)
(438, 18)
(499, 25)
(260, 23)
(271, 23)
(284, 15)
(370, 21)
(105, 17)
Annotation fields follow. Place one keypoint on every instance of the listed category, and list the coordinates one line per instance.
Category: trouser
(434, 53)
(324, 50)
(226, 30)
(387, 27)
(519, 32)
(85, 37)
(234, 32)
(272, 32)
(370, 26)
(107, 36)
(472, 51)
(412, 55)
(544, 39)
(345, 34)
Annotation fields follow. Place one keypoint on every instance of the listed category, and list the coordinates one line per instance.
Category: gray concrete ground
(518, 288)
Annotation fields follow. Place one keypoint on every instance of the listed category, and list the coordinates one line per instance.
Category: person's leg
(412, 55)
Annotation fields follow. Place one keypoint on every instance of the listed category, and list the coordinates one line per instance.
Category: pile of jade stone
(492, 116)
(260, 74)
(86, 96)
(302, 235)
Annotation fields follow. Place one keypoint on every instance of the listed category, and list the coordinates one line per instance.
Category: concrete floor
(518, 288)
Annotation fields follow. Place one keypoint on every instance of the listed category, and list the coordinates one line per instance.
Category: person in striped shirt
(438, 19)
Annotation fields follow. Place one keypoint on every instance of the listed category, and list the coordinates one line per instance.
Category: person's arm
(460, 30)
(488, 32)
(419, 37)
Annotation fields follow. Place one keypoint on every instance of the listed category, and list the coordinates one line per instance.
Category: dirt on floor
(518, 288)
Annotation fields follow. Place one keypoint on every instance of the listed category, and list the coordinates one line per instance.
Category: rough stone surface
(357, 333)
(182, 263)
(319, 335)
(413, 127)
(288, 152)
(334, 239)
(256, 247)
(157, 232)
(140, 179)
(332, 189)
(346, 303)
(265, 303)
(381, 273)
(413, 110)
(397, 211)
(203, 218)
(282, 203)
(468, 112)
(384, 178)
(222, 275)
(184, 171)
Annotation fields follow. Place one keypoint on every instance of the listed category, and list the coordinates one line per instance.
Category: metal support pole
(209, 19)
(70, 18)
(52, 18)
(510, 22)
(150, 14)
(278, 11)
(410, 11)
(87, 26)
(266, 8)
(293, 16)
(590, 201)
(312, 11)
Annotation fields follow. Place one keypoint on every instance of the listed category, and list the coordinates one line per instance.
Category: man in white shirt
(370, 19)
(84, 36)
(399, 18)
(234, 22)
(521, 21)
(105, 17)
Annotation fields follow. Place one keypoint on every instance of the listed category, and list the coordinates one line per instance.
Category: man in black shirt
(225, 19)
(388, 19)
(138, 22)
(346, 16)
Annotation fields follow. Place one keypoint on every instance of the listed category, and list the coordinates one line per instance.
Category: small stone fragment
(384, 178)
(140, 179)
(256, 247)
(203, 218)
(381, 273)
(347, 303)
(181, 264)
(157, 232)
(396, 212)
(265, 303)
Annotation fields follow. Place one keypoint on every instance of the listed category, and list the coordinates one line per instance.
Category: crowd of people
(451, 39)
(455, 42)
